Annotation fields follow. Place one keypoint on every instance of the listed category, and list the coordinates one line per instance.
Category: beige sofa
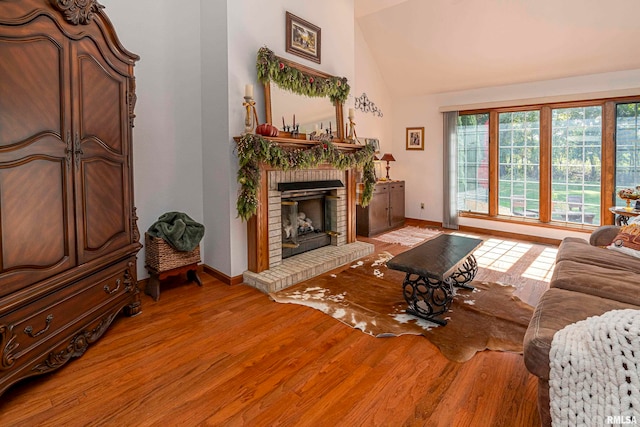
(588, 280)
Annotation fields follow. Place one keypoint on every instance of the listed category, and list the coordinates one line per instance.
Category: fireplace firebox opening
(308, 222)
(309, 218)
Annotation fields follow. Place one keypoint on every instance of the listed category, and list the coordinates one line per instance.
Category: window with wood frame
(627, 147)
(519, 163)
(473, 163)
(549, 164)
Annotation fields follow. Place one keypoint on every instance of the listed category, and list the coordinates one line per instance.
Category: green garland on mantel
(254, 150)
(271, 68)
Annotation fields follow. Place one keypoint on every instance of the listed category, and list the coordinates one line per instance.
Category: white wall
(217, 161)
(168, 127)
(369, 80)
(423, 170)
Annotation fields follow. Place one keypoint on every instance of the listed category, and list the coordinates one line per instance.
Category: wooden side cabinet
(384, 212)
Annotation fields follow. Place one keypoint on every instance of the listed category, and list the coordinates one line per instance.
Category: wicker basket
(160, 256)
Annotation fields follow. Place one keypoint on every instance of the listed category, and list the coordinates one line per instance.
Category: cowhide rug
(368, 296)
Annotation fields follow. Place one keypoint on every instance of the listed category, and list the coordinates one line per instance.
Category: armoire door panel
(47, 144)
(36, 221)
(103, 208)
(101, 119)
(31, 84)
(102, 178)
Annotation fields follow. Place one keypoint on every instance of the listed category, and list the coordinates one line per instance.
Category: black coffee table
(433, 268)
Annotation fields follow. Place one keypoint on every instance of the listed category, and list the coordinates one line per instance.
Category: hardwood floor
(228, 355)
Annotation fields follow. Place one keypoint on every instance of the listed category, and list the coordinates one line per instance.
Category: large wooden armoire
(68, 233)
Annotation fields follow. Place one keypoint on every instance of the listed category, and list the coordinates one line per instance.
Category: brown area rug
(368, 296)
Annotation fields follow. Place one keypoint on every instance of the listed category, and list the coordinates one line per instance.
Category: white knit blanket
(594, 378)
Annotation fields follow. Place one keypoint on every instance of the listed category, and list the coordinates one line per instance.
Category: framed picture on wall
(415, 138)
(303, 38)
(374, 142)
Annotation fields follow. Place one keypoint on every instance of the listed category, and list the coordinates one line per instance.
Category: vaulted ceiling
(433, 46)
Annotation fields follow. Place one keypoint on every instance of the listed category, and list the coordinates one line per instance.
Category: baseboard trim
(509, 235)
(227, 280)
(410, 221)
(142, 283)
(497, 233)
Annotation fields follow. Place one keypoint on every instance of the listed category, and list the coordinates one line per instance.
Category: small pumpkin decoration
(266, 129)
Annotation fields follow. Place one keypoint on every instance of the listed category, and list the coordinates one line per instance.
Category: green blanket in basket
(179, 230)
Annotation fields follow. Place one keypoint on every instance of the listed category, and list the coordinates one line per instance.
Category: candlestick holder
(250, 120)
(351, 136)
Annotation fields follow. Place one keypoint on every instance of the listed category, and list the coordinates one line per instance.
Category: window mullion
(607, 187)
(494, 160)
(545, 164)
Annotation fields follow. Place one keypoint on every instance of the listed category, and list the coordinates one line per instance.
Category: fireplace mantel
(302, 143)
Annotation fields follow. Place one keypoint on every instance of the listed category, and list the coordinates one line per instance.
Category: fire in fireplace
(309, 215)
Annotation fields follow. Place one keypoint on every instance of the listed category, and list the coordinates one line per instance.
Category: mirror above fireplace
(314, 97)
(309, 112)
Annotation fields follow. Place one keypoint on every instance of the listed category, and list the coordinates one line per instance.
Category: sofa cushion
(558, 308)
(619, 285)
(604, 235)
(627, 240)
(579, 250)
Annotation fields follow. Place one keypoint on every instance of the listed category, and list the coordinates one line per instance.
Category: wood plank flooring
(229, 356)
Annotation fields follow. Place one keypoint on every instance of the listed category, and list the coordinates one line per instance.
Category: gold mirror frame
(312, 72)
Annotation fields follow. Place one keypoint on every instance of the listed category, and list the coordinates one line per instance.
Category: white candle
(248, 91)
(351, 113)
(316, 128)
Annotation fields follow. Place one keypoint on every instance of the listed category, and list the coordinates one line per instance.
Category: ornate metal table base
(465, 273)
(428, 297)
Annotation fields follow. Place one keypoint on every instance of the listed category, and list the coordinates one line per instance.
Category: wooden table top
(437, 258)
(622, 210)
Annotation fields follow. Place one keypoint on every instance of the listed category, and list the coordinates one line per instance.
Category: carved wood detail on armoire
(68, 226)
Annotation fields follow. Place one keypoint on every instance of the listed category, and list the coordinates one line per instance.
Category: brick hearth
(304, 266)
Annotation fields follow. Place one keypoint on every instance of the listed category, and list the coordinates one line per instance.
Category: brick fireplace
(268, 270)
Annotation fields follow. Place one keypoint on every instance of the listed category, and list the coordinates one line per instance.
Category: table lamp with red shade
(388, 157)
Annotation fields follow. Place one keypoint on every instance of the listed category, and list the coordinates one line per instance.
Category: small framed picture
(415, 138)
(374, 142)
(303, 38)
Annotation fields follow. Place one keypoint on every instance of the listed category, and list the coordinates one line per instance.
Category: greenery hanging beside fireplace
(254, 149)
